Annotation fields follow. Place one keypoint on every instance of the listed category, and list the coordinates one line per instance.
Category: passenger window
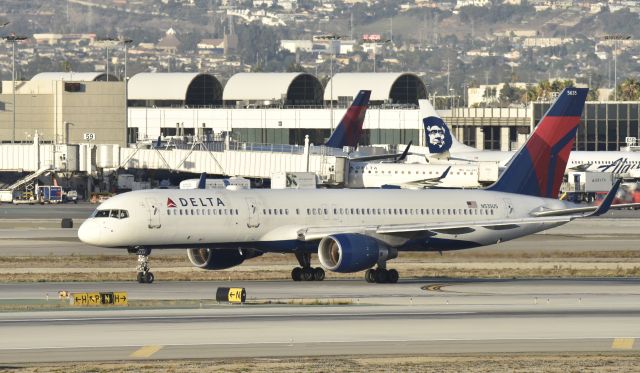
(326, 211)
(297, 211)
(281, 212)
(168, 212)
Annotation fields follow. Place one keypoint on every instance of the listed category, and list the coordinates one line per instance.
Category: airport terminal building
(273, 108)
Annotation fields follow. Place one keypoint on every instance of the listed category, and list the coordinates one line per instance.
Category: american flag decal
(170, 203)
(472, 204)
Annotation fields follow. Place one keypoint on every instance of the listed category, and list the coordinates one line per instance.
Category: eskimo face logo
(438, 135)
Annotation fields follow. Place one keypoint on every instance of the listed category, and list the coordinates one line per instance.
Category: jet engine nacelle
(352, 252)
(210, 258)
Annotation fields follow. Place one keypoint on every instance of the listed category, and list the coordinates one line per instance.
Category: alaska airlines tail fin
(439, 136)
(349, 129)
(538, 167)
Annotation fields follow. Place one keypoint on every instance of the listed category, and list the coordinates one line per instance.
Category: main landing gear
(381, 275)
(305, 272)
(145, 276)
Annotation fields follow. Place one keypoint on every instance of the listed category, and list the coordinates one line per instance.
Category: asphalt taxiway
(412, 317)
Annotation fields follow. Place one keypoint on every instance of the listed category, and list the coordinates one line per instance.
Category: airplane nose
(88, 233)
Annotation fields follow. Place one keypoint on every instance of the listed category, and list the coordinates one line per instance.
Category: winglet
(608, 200)
(445, 173)
(159, 142)
(404, 154)
(202, 183)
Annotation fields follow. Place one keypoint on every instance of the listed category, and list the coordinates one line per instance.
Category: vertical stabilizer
(439, 136)
(349, 129)
(538, 167)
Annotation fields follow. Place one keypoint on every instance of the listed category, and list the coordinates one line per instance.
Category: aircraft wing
(423, 183)
(396, 157)
(316, 233)
(548, 216)
(581, 167)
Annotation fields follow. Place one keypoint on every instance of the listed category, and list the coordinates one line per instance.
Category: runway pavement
(416, 317)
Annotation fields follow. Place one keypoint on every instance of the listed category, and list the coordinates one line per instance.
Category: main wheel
(296, 274)
(318, 274)
(393, 276)
(141, 278)
(381, 276)
(370, 275)
(307, 274)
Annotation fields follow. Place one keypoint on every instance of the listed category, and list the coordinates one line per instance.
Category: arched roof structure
(191, 89)
(294, 89)
(392, 88)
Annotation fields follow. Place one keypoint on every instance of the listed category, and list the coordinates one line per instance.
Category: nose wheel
(145, 276)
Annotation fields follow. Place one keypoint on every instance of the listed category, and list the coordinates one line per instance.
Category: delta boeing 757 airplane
(350, 230)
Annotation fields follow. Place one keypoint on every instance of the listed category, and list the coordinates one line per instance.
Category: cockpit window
(101, 214)
(117, 214)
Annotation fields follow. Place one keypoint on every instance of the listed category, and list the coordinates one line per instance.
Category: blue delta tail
(349, 129)
(202, 182)
(538, 167)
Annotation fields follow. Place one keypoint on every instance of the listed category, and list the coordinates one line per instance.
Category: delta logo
(170, 203)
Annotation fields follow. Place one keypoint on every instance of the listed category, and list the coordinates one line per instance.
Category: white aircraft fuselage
(290, 220)
(412, 175)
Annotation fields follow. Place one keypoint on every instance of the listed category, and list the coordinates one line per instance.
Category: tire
(318, 274)
(141, 278)
(393, 276)
(149, 277)
(381, 276)
(307, 274)
(370, 276)
(296, 274)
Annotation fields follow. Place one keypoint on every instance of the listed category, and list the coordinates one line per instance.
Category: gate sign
(89, 136)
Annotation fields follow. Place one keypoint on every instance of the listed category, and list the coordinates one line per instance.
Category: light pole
(13, 38)
(616, 38)
(126, 43)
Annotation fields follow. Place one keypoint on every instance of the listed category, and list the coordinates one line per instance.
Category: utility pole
(616, 38)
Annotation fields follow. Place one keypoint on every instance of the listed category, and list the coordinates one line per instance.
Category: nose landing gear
(145, 276)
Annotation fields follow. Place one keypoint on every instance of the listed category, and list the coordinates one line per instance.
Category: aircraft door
(253, 220)
(154, 213)
(509, 206)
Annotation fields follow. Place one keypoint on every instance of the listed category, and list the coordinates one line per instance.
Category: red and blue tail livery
(538, 167)
(349, 129)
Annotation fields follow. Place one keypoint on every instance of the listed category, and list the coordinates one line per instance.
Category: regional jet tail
(350, 230)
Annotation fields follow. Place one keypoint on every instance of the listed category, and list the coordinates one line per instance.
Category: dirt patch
(560, 363)
(81, 268)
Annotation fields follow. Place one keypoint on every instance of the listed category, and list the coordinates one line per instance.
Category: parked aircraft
(442, 144)
(350, 230)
